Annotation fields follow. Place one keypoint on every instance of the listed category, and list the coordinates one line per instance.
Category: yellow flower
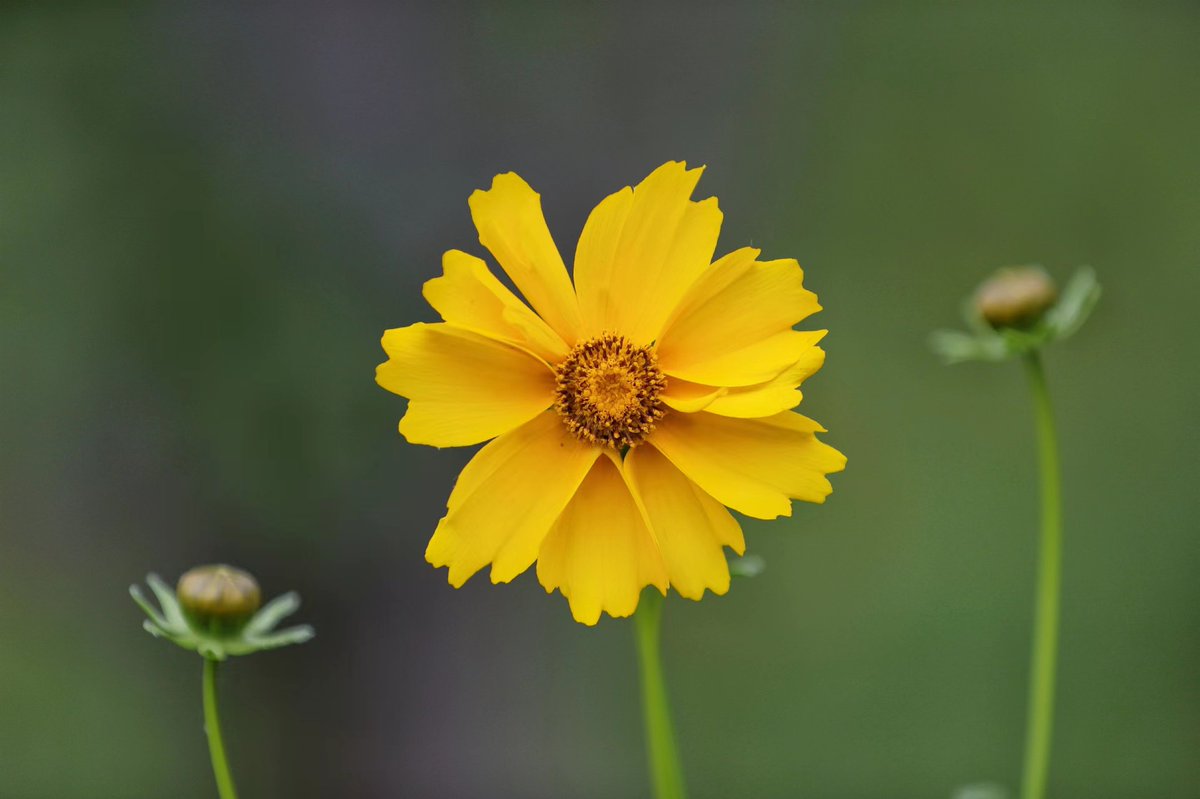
(626, 411)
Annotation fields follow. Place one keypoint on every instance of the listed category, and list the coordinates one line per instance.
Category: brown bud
(1016, 296)
(218, 593)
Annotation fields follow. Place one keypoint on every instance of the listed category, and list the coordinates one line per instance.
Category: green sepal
(1075, 304)
(955, 346)
(981, 790)
(747, 566)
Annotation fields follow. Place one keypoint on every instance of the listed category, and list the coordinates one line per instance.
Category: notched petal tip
(419, 437)
(673, 170)
(454, 576)
(588, 619)
(682, 166)
(506, 180)
(442, 563)
(696, 595)
(673, 164)
(500, 576)
(457, 576)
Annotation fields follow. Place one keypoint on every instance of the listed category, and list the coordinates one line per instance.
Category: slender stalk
(1040, 720)
(212, 728)
(665, 773)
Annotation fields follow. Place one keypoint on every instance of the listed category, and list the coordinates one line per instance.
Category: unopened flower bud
(218, 595)
(1015, 297)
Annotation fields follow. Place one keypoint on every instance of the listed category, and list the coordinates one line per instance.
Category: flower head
(1015, 297)
(215, 611)
(1016, 311)
(218, 594)
(626, 409)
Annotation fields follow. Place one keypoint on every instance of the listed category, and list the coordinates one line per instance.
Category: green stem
(1040, 721)
(212, 728)
(665, 773)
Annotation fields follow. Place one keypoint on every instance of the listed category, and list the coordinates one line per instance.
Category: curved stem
(1040, 721)
(212, 728)
(665, 773)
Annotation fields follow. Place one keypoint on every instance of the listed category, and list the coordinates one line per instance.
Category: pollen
(608, 391)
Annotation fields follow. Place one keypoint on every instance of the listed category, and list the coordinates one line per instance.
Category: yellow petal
(640, 251)
(757, 363)
(688, 397)
(462, 388)
(507, 498)
(599, 552)
(595, 260)
(725, 270)
(469, 296)
(755, 466)
(772, 397)
(511, 225)
(690, 526)
(734, 326)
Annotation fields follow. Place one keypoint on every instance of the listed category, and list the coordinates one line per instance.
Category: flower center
(608, 391)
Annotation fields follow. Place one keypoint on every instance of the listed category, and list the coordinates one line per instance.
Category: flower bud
(1015, 297)
(218, 595)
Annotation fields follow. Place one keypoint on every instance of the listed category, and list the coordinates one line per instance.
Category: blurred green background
(208, 215)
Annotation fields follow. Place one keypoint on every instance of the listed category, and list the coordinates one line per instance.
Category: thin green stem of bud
(1040, 721)
(212, 728)
(665, 772)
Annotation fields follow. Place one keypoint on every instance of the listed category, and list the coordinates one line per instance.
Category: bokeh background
(209, 214)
